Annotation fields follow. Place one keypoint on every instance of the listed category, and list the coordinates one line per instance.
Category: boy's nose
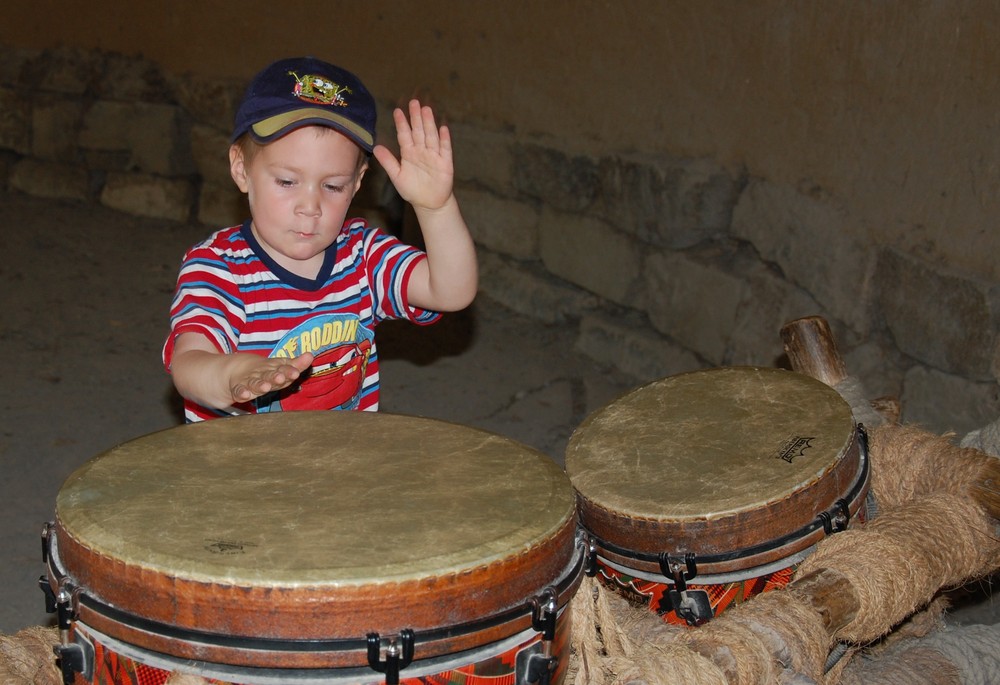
(309, 203)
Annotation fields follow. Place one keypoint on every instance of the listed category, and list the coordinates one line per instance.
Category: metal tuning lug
(693, 606)
(71, 656)
(398, 654)
(542, 665)
(590, 552)
(46, 533)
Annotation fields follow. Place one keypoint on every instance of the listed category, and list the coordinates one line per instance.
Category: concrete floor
(86, 293)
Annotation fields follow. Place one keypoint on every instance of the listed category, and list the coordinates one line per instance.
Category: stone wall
(661, 264)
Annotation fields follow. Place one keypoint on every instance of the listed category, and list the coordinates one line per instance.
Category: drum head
(712, 462)
(308, 525)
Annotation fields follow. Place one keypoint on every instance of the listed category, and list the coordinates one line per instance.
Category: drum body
(315, 547)
(706, 488)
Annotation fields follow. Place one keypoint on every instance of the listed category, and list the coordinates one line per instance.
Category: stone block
(501, 224)
(627, 343)
(570, 184)
(769, 303)
(210, 153)
(812, 242)
(132, 79)
(55, 127)
(209, 101)
(65, 70)
(13, 63)
(694, 302)
(50, 179)
(942, 402)
(484, 158)
(668, 203)
(941, 319)
(7, 162)
(527, 289)
(877, 367)
(149, 196)
(221, 205)
(156, 138)
(15, 121)
(591, 254)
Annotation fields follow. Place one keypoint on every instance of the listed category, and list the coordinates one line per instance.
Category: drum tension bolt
(693, 606)
(46, 532)
(590, 550)
(544, 611)
(398, 655)
(836, 522)
(70, 655)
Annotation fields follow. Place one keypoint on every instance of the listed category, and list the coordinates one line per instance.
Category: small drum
(705, 488)
(315, 547)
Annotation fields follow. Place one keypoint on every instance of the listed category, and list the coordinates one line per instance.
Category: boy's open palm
(424, 173)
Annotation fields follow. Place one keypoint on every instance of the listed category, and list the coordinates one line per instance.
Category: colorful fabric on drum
(111, 668)
(721, 595)
(230, 290)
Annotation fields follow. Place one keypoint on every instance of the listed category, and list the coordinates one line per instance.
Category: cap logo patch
(319, 90)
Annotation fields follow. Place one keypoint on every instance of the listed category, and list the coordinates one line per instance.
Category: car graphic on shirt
(341, 347)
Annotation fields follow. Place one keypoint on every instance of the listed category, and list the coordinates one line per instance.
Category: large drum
(315, 547)
(706, 488)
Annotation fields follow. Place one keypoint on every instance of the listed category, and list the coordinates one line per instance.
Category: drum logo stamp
(795, 446)
(228, 547)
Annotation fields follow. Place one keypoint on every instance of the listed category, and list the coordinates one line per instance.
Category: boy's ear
(237, 167)
(360, 175)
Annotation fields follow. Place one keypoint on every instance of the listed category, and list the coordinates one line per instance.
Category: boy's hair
(305, 91)
(249, 148)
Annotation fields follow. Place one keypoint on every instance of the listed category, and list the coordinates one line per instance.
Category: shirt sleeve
(206, 301)
(390, 263)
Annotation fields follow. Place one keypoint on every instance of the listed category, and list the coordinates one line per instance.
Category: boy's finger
(430, 128)
(416, 121)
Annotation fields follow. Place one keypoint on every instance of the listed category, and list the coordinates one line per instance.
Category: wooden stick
(812, 350)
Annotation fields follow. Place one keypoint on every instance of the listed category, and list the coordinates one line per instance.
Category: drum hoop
(715, 578)
(565, 586)
(349, 675)
(822, 520)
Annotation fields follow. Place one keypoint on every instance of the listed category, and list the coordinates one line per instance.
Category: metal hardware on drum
(693, 606)
(702, 489)
(240, 597)
(591, 546)
(398, 654)
(544, 611)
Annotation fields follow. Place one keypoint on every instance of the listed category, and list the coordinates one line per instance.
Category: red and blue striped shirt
(232, 292)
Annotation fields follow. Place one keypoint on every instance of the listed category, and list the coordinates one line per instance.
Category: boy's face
(299, 188)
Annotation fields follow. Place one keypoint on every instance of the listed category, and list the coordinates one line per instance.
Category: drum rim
(284, 607)
(263, 652)
(763, 553)
(284, 674)
(716, 534)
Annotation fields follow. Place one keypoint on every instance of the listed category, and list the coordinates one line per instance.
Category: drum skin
(713, 463)
(312, 526)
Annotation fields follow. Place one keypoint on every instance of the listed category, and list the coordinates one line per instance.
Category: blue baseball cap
(305, 91)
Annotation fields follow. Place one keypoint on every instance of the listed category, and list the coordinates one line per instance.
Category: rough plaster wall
(890, 107)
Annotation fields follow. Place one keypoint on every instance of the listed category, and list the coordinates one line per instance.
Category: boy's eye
(283, 182)
(334, 188)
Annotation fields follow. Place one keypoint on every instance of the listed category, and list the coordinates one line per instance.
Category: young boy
(279, 313)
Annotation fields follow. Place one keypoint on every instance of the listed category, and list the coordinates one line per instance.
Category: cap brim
(279, 124)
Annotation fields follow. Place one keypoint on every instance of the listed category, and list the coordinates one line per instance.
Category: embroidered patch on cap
(319, 90)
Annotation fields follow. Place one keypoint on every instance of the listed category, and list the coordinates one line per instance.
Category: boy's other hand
(424, 173)
(252, 376)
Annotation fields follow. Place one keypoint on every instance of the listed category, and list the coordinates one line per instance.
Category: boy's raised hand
(424, 173)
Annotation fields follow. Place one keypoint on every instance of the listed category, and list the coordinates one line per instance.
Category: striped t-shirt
(231, 291)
